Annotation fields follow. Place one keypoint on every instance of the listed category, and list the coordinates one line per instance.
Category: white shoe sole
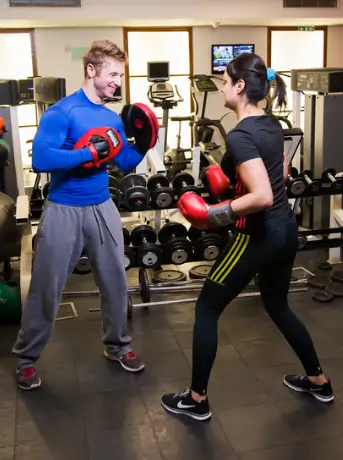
(118, 360)
(32, 387)
(323, 399)
(189, 414)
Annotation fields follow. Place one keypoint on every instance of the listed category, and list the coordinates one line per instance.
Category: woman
(265, 240)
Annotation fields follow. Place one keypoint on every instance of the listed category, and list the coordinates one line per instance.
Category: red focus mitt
(141, 123)
(104, 143)
(215, 180)
(203, 216)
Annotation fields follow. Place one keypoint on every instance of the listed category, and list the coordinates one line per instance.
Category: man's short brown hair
(97, 53)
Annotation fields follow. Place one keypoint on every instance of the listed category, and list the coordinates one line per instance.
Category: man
(73, 134)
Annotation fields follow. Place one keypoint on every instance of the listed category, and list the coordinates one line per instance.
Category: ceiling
(167, 13)
(86, 22)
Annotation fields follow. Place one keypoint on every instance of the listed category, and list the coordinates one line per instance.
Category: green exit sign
(306, 28)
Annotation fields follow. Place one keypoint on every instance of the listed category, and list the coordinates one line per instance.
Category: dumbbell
(177, 248)
(148, 253)
(329, 176)
(302, 241)
(312, 186)
(184, 182)
(114, 189)
(129, 253)
(295, 185)
(135, 194)
(207, 244)
(45, 191)
(161, 193)
(83, 266)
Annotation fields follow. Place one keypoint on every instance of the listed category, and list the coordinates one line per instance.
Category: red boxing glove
(215, 180)
(104, 143)
(203, 216)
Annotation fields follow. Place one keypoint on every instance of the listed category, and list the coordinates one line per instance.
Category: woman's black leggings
(271, 256)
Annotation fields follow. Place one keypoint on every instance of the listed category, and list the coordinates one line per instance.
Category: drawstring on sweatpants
(95, 209)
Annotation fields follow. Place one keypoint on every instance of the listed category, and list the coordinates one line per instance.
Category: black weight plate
(181, 177)
(126, 236)
(149, 255)
(163, 276)
(34, 241)
(129, 308)
(322, 296)
(143, 282)
(113, 182)
(336, 289)
(189, 188)
(83, 267)
(318, 281)
(302, 241)
(143, 231)
(45, 190)
(325, 266)
(132, 180)
(129, 257)
(211, 252)
(297, 187)
(171, 230)
(116, 196)
(136, 198)
(337, 276)
(157, 179)
(162, 198)
(200, 271)
(178, 251)
(194, 233)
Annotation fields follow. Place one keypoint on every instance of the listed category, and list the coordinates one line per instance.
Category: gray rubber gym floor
(91, 409)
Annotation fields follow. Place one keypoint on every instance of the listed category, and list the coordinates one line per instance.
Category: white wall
(203, 38)
(334, 46)
(53, 51)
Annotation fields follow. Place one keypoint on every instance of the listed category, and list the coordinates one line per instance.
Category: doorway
(168, 44)
(290, 48)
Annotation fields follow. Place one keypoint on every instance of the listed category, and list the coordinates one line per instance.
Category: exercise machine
(203, 127)
(162, 94)
(12, 94)
(323, 135)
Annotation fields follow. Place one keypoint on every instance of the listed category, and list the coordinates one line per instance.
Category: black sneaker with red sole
(322, 393)
(27, 378)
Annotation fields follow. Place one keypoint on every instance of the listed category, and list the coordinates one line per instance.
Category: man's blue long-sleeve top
(61, 125)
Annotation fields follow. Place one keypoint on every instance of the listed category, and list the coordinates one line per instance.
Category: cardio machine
(203, 127)
(161, 94)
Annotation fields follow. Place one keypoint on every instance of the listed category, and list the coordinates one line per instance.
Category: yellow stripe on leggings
(231, 266)
(232, 251)
(228, 260)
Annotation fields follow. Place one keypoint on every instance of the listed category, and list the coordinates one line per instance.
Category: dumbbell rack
(145, 290)
(176, 245)
(302, 186)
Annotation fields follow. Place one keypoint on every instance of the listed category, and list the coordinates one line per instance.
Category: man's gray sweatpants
(63, 233)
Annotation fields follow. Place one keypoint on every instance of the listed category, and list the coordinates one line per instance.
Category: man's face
(107, 78)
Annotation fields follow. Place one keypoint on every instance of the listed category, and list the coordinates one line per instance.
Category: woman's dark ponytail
(280, 93)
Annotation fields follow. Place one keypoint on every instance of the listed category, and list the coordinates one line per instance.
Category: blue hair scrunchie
(271, 74)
